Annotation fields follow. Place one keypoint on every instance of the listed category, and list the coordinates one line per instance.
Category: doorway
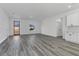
(16, 28)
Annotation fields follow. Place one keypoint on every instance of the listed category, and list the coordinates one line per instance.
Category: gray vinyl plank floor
(38, 45)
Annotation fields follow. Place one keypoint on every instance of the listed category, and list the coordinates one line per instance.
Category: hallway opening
(16, 28)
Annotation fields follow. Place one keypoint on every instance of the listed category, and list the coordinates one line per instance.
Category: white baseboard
(1, 41)
(49, 35)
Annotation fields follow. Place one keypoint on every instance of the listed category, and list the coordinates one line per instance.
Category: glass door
(16, 27)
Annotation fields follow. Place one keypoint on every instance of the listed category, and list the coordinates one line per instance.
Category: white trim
(3, 40)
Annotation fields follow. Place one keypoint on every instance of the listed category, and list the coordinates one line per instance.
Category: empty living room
(39, 29)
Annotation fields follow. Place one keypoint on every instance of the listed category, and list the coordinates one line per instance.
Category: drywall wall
(52, 27)
(48, 27)
(24, 26)
(4, 26)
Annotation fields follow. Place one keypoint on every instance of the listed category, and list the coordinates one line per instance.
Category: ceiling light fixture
(69, 6)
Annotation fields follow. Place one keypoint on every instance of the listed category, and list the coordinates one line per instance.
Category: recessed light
(69, 6)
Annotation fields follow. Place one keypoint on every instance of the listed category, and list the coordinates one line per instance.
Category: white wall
(4, 26)
(48, 27)
(24, 26)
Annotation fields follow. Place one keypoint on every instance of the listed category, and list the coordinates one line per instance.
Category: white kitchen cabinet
(78, 37)
(69, 36)
(73, 19)
(72, 36)
(71, 28)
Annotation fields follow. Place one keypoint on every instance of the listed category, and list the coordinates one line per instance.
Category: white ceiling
(36, 10)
